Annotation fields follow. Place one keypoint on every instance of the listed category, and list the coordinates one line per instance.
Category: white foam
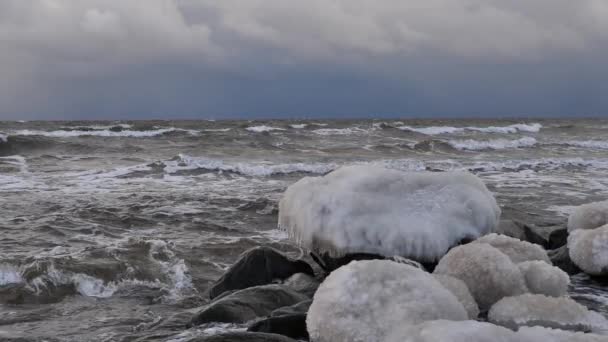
(436, 130)
(494, 144)
(370, 209)
(9, 275)
(3, 137)
(217, 129)
(594, 144)
(339, 131)
(263, 128)
(102, 133)
(186, 162)
(298, 126)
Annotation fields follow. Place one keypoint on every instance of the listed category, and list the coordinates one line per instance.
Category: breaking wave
(595, 144)
(3, 138)
(339, 131)
(436, 130)
(495, 144)
(186, 163)
(263, 128)
(102, 133)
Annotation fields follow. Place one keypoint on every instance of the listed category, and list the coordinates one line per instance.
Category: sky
(214, 59)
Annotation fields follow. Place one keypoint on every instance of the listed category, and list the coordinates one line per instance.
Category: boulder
(517, 250)
(303, 283)
(542, 278)
(293, 326)
(558, 238)
(258, 266)
(550, 312)
(461, 291)
(588, 249)
(301, 307)
(248, 304)
(560, 257)
(243, 337)
(489, 274)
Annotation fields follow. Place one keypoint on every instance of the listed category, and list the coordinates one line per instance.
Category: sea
(113, 230)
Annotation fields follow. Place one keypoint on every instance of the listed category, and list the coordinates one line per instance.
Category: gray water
(112, 231)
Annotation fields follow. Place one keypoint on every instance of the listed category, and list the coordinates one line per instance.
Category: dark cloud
(272, 58)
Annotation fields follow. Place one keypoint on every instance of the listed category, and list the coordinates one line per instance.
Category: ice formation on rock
(461, 291)
(589, 216)
(364, 300)
(489, 274)
(588, 249)
(542, 278)
(474, 331)
(551, 312)
(534, 334)
(517, 250)
(451, 331)
(370, 209)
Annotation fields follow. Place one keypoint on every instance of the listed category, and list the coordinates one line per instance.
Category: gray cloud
(209, 58)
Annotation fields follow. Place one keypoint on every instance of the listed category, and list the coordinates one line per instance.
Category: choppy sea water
(111, 231)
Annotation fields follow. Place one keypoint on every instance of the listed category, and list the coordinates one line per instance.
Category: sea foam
(263, 128)
(494, 144)
(436, 130)
(103, 133)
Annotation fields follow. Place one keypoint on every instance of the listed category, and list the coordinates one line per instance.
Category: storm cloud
(94, 59)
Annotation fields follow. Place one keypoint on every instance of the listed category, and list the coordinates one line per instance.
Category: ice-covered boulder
(489, 274)
(451, 331)
(551, 312)
(588, 250)
(461, 291)
(517, 250)
(370, 209)
(364, 300)
(542, 278)
(588, 216)
(474, 331)
(534, 334)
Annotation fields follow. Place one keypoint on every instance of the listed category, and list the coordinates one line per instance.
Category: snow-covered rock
(542, 278)
(370, 209)
(517, 250)
(474, 331)
(489, 274)
(364, 300)
(588, 216)
(534, 334)
(461, 291)
(451, 331)
(551, 312)
(588, 249)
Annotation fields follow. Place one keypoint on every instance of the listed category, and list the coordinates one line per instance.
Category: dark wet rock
(293, 326)
(243, 337)
(300, 308)
(329, 264)
(258, 266)
(16, 294)
(248, 304)
(303, 283)
(511, 228)
(560, 257)
(558, 238)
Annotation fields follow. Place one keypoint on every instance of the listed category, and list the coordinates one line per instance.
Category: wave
(221, 130)
(298, 126)
(436, 130)
(263, 128)
(188, 163)
(594, 144)
(3, 138)
(339, 131)
(495, 144)
(116, 128)
(99, 272)
(102, 133)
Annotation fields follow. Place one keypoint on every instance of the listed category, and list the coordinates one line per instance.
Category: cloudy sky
(109, 59)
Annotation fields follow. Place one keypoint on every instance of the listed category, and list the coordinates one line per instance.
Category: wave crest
(437, 130)
(495, 144)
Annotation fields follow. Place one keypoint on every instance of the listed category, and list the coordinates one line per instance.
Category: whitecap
(9, 275)
(103, 133)
(495, 144)
(298, 126)
(185, 162)
(339, 131)
(218, 130)
(3, 137)
(595, 144)
(436, 130)
(263, 128)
